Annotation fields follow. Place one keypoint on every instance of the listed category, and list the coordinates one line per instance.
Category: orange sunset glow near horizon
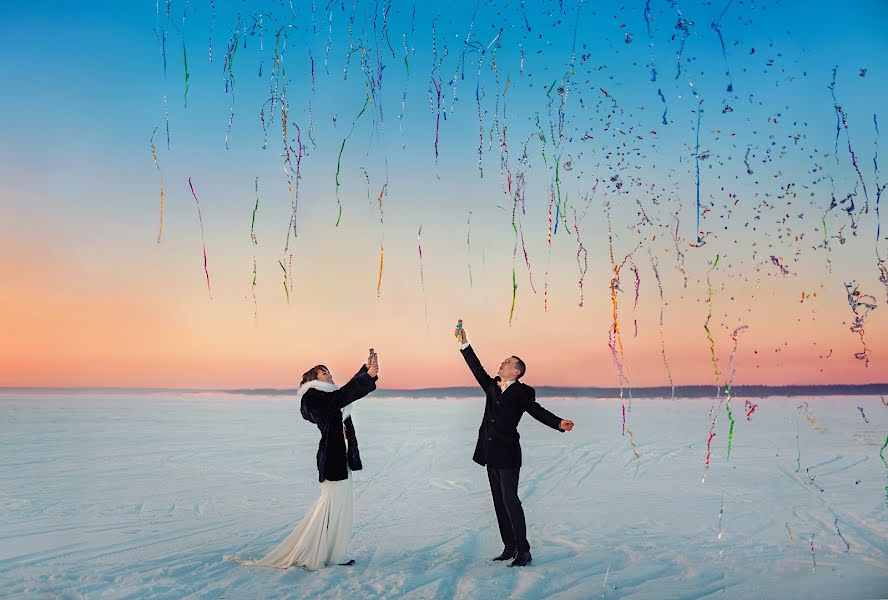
(610, 211)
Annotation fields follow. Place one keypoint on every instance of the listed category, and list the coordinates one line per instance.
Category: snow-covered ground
(141, 496)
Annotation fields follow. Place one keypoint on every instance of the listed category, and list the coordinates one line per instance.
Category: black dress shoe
(522, 559)
(506, 555)
(347, 564)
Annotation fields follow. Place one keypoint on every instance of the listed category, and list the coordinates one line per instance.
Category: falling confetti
(862, 414)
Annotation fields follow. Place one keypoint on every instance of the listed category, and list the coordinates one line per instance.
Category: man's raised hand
(459, 332)
(566, 425)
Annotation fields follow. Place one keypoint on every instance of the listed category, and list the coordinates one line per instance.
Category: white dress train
(323, 535)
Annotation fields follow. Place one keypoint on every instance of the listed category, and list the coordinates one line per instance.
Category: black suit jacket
(498, 435)
(324, 409)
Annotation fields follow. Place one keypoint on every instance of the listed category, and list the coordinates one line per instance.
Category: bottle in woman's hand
(373, 363)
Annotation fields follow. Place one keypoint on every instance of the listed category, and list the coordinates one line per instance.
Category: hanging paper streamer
(884, 462)
(699, 233)
(713, 415)
(255, 243)
(716, 25)
(422, 278)
(514, 295)
(839, 531)
(582, 257)
(632, 443)
(679, 254)
(706, 324)
(749, 407)
(339, 158)
(654, 265)
(549, 252)
(293, 181)
(159, 174)
(798, 448)
(469, 246)
(789, 533)
(614, 340)
(729, 383)
(861, 305)
(813, 556)
(382, 193)
(805, 410)
(286, 287)
(647, 22)
(185, 54)
(202, 240)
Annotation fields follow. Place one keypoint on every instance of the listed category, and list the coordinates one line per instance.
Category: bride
(323, 535)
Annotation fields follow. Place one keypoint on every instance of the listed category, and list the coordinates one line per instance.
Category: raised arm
(316, 403)
(533, 408)
(484, 380)
(357, 387)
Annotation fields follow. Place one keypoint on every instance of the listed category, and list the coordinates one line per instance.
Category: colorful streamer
(422, 278)
(729, 383)
(339, 158)
(861, 305)
(255, 243)
(469, 247)
(839, 531)
(286, 287)
(202, 240)
(159, 174)
(706, 324)
(884, 462)
(582, 257)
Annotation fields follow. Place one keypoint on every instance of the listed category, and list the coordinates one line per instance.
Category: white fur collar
(317, 384)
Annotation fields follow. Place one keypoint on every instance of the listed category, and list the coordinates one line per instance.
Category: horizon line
(693, 390)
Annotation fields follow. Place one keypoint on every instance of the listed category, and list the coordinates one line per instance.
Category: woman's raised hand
(373, 363)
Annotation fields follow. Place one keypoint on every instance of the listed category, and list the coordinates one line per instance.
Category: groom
(498, 448)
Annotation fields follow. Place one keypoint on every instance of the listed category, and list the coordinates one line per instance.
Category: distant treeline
(681, 391)
(543, 391)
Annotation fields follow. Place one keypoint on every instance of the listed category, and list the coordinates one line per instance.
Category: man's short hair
(519, 364)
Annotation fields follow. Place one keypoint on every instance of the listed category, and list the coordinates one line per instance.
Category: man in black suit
(498, 448)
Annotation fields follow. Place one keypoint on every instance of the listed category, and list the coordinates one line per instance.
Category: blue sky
(85, 90)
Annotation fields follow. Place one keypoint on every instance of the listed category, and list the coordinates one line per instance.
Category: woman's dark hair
(312, 373)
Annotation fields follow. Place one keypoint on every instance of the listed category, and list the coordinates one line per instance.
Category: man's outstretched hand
(566, 425)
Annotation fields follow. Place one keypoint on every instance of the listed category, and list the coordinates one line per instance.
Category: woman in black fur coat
(323, 535)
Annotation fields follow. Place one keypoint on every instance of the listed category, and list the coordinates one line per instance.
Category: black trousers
(509, 514)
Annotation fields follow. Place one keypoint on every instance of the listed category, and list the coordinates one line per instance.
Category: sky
(569, 136)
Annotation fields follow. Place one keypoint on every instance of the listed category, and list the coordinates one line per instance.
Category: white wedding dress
(323, 535)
